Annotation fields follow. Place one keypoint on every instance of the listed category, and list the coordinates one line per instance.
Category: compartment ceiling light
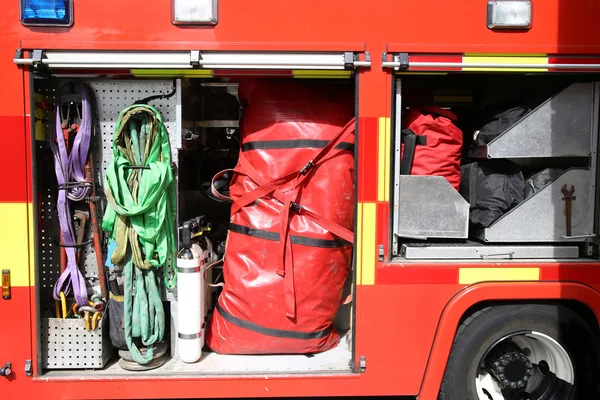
(194, 12)
(509, 14)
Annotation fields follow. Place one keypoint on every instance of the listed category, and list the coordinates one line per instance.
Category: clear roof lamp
(194, 12)
(509, 14)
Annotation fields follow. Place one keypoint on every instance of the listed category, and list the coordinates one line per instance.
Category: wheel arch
(579, 297)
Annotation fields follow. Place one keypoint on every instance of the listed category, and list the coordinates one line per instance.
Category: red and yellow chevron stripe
(16, 233)
(467, 274)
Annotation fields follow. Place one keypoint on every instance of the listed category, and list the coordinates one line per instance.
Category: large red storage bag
(276, 299)
(432, 144)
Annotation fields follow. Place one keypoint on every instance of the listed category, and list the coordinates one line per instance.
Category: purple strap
(70, 172)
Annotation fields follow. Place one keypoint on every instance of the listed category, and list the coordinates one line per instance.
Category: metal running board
(473, 250)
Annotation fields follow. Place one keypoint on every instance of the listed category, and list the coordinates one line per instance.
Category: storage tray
(67, 345)
(542, 217)
(559, 127)
(477, 251)
(429, 207)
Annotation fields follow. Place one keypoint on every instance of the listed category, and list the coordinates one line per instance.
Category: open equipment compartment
(202, 143)
(559, 132)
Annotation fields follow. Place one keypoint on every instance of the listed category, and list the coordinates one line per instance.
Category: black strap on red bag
(410, 141)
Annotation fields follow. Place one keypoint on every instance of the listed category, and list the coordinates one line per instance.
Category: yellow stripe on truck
(322, 74)
(467, 276)
(31, 238)
(383, 160)
(369, 218)
(16, 230)
(359, 236)
(172, 73)
(387, 160)
(498, 60)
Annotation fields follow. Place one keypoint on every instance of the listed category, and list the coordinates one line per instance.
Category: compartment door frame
(395, 147)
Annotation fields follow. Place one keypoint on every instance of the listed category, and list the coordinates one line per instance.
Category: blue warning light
(47, 12)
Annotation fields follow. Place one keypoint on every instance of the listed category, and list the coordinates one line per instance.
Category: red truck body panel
(406, 313)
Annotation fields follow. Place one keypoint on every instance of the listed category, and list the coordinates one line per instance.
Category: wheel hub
(512, 370)
(526, 366)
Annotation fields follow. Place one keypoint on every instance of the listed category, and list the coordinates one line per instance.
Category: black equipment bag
(499, 123)
(492, 188)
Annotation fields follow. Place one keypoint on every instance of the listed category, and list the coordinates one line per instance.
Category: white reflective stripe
(184, 60)
(116, 59)
(272, 61)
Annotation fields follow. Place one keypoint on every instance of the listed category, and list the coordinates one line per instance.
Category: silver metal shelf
(478, 251)
(541, 217)
(429, 207)
(562, 126)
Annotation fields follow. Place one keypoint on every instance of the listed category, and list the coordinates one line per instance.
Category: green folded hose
(140, 218)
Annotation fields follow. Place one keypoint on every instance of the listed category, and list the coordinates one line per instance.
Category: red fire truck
(440, 308)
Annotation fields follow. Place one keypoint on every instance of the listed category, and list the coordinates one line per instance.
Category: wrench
(81, 218)
(568, 198)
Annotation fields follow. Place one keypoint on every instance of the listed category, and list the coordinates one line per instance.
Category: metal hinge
(28, 368)
(363, 363)
(399, 62)
(351, 60)
(380, 252)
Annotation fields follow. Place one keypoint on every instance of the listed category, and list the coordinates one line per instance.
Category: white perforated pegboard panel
(110, 98)
(67, 345)
(48, 230)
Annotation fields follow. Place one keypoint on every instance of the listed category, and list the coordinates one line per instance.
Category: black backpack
(492, 188)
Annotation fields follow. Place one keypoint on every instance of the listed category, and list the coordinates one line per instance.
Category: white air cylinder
(190, 300)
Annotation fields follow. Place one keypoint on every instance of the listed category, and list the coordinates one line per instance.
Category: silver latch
(28, 368)
(363, 363)
(195, 58)
(380, 252)
(348, 60)
(37, 56)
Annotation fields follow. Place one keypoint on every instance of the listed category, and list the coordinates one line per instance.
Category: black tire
(485, 327)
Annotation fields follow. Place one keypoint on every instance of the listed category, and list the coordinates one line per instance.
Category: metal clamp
(357, 63)
(195, 58)
(83, 309)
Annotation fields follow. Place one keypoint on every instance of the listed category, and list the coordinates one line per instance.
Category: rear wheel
(523, 352)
